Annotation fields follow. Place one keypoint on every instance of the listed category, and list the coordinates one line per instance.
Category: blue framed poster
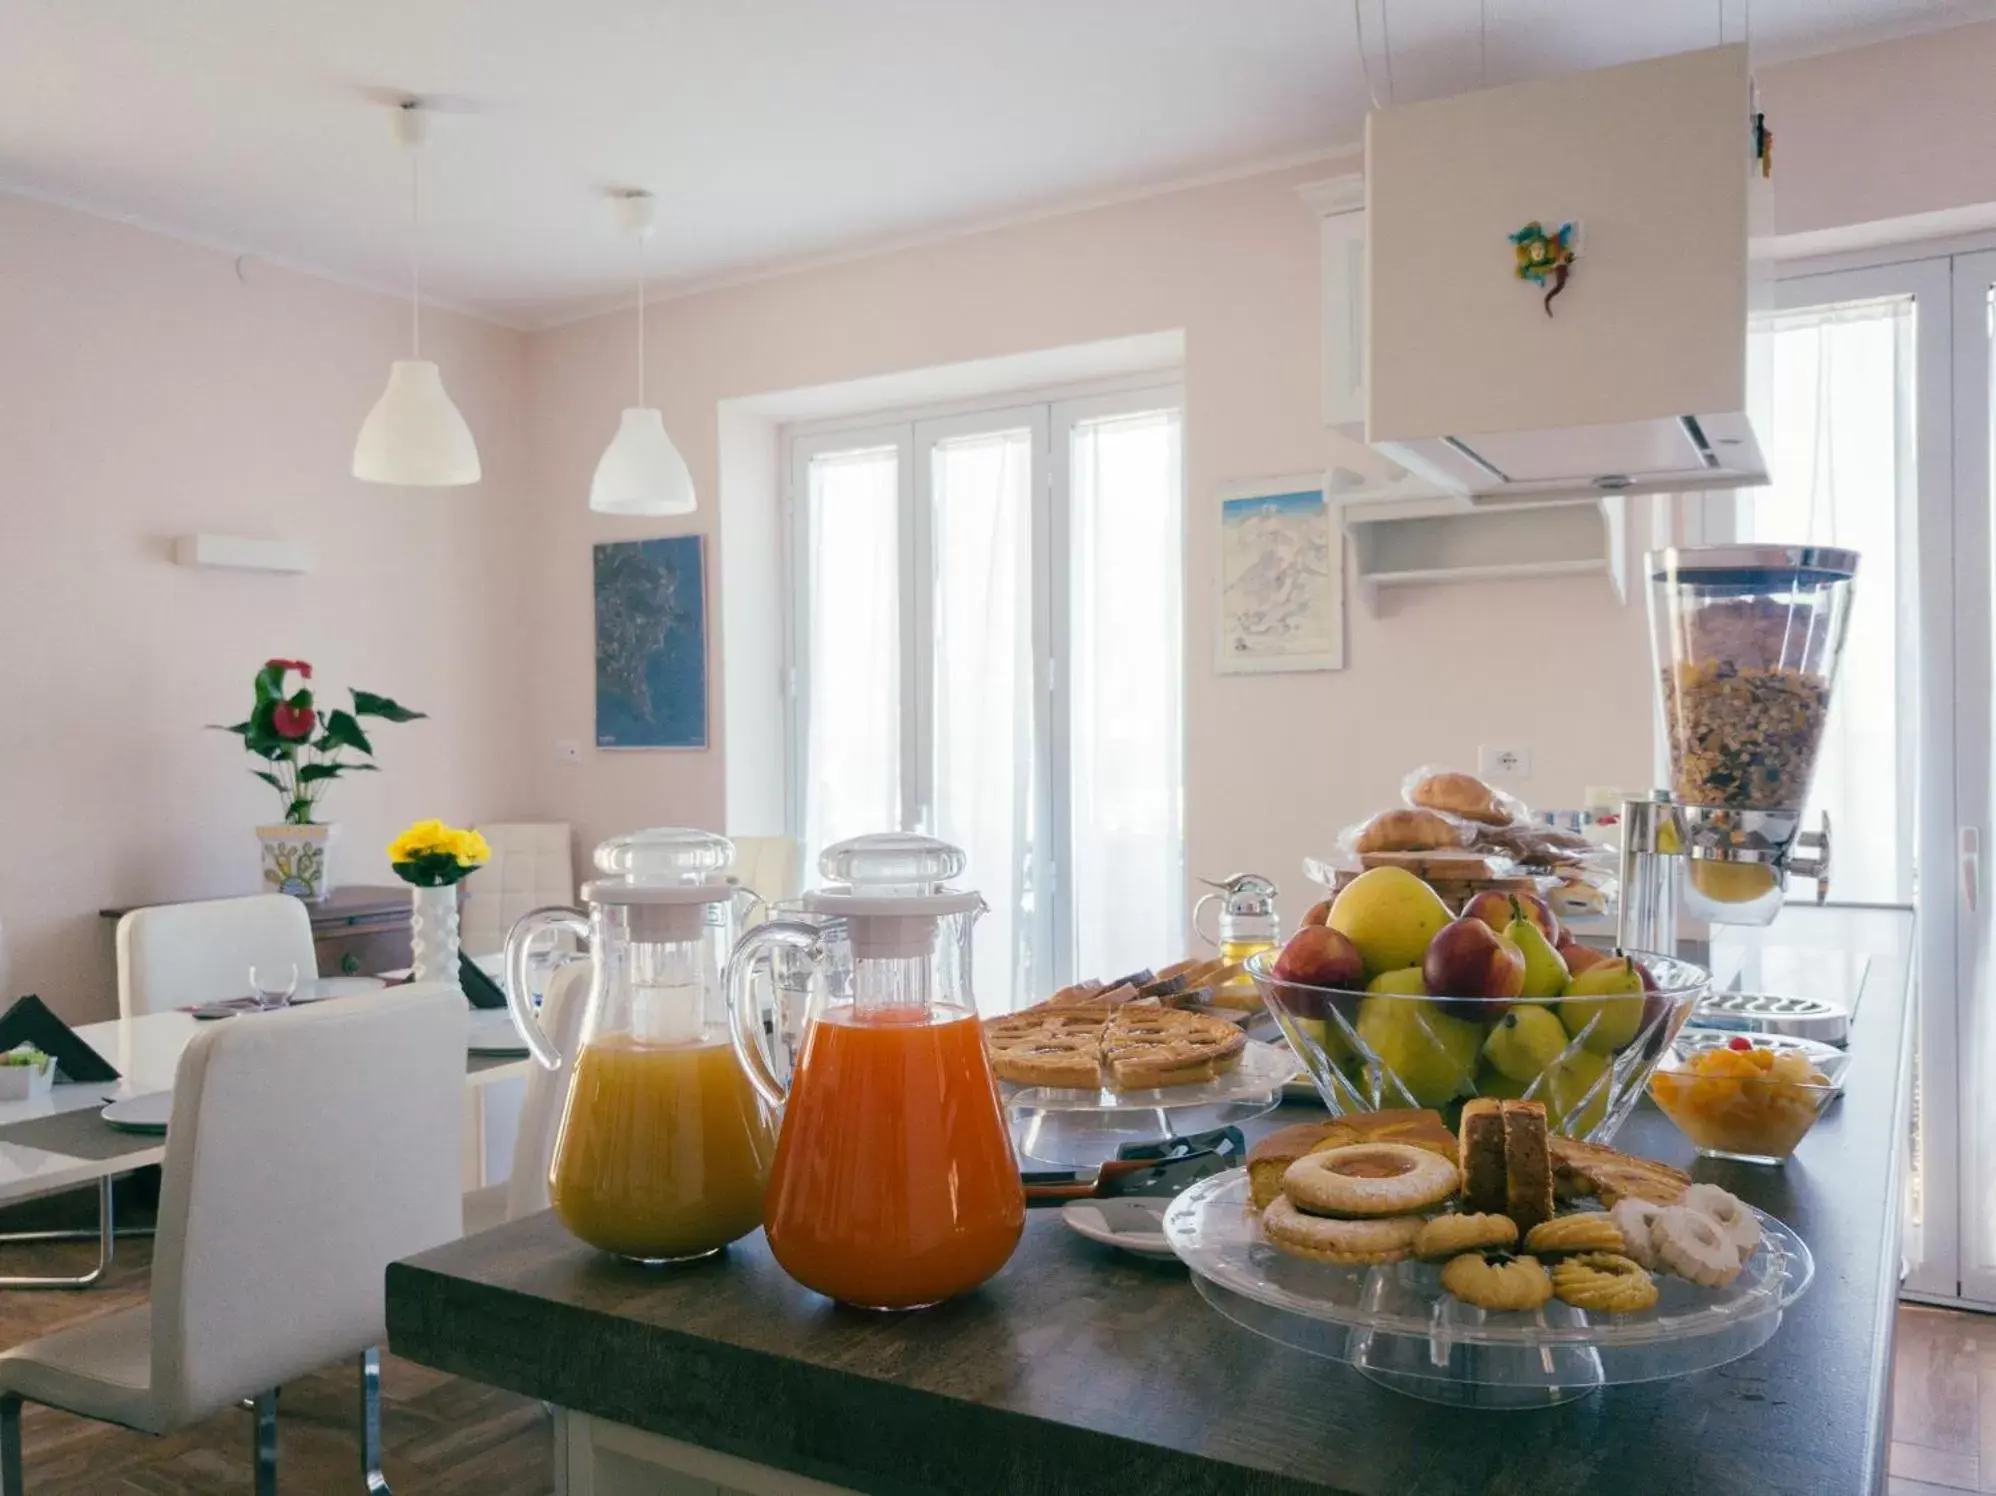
(651, 643)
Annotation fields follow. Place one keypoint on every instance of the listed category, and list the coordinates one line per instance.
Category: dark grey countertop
(1078, 1369)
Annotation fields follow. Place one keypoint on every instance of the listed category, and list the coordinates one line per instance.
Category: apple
(1579, 957)
(1469, 960)
(1319, 914)
(1494, 909)
(1317, 958)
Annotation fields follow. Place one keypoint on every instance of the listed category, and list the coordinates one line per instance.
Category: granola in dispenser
(1745, 726)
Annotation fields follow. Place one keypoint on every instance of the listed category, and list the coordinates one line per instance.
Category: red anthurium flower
(303, 667)
(292, 723)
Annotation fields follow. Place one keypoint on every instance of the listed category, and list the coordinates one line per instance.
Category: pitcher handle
(1198, 929)
(519, 1001)
(742, 1026)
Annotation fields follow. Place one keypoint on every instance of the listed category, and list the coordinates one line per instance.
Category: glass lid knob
(891, 863)
(665, 856)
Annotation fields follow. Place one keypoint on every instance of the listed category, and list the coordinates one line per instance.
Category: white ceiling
(772, 131)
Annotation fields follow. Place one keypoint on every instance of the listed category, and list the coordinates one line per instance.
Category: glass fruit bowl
(1587, 1058)
(1751, 1097)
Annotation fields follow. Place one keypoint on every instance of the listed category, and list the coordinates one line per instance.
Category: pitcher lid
(891, 872)
(661, 865)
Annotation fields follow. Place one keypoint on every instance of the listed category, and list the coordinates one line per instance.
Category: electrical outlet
(1504, 761)
(568, 751)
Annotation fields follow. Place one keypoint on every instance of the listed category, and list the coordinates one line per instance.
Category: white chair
(767, 867)
(307, 1151)
(530, 868)
(171, 955)
(524, 1191)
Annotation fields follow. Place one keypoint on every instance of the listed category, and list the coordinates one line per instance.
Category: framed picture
(651, 643)
(1281, 577)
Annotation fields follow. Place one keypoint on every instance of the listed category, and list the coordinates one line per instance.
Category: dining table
(60, 1141)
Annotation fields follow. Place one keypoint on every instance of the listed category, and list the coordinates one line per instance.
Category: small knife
(1155, 1169)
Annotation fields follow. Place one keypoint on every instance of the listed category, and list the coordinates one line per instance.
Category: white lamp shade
(414, 435)
(641, 471)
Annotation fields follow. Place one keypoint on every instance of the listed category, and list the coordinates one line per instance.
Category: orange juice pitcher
(895, 1185)
(665, 1146)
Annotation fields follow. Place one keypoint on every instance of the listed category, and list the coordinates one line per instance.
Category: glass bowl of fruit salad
(1751, 1097)
(1395, 1001)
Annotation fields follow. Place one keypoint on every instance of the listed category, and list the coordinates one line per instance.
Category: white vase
(433, 934)
(294, 860)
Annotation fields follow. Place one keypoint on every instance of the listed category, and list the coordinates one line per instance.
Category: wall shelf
(1427, 543)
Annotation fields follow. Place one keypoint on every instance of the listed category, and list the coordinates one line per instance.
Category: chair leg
(370, 1422)
(107, 1241)
(10, 1447)
(265, 1443)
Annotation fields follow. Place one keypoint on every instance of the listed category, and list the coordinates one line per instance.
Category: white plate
(1133, 1222)
(147, 1113)
(490, 1031)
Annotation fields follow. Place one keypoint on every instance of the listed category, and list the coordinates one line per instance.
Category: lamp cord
(641, 320)
(416, 253)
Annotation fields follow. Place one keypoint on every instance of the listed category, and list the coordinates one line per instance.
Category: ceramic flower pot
(294, 859)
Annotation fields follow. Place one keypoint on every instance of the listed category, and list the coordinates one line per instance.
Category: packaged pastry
(1432, 787)
(1407, 830)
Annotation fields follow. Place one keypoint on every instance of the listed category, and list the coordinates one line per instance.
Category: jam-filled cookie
(1370, 1179)
(1497, 1280)
(1590, 1231)
(1449, 1236)
(1605, 1282)
(1731, 1214)
(1636, 1219)
(1341, 1243)
(1693, 1245)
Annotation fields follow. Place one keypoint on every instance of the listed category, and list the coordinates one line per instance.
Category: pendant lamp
(414, 435)
(640, 472)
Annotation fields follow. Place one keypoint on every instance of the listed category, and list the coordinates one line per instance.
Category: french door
(985, 639)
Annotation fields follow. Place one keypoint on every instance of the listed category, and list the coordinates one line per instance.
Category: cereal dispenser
(1747, 639)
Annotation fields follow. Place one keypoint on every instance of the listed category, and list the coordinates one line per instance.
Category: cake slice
(1527, 1164)
(1481, 1157)
(1414, 1125)
(1270, 1157)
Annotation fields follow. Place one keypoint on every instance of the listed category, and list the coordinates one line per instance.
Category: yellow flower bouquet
(432, 855)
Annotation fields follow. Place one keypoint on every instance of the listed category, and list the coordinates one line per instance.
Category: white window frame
(1051, 414)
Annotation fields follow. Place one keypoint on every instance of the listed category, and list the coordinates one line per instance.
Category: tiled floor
(1944, 1403)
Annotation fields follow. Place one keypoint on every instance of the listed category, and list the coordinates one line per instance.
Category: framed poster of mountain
(1281, 576)
(651, 643)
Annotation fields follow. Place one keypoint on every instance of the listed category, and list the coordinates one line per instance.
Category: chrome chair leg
(265, 1444)
(107, 1242)
(370, 1422)
(10, 1447)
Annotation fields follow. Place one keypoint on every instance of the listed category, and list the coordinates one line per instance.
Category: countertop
(1080, 1369)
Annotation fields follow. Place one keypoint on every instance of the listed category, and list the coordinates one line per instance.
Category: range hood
(1634, 376)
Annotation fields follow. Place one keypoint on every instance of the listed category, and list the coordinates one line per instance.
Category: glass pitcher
(895, 1184)
(1245, 924)
(665, 1147)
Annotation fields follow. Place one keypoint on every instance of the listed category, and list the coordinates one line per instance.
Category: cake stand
(1395, 1324)
(1080, 1129)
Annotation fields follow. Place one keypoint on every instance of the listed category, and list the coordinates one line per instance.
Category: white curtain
(853, 758)
(1125, 729)
(980, 518)
(1841, 456)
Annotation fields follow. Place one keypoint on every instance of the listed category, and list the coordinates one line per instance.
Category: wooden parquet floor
(443, 1436)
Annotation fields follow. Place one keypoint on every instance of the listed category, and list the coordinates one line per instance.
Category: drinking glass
(273, 985)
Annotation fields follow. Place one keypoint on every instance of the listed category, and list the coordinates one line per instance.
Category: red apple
(1468, 959)
(1579, 957)
(1496, 910)
(1319, 969)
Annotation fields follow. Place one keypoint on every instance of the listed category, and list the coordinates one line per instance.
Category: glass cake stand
(1061, 1125)
(1397, 1326)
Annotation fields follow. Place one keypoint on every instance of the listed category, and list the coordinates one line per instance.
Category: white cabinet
(1340, 205)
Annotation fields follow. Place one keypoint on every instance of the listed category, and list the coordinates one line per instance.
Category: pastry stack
(1387, 1186)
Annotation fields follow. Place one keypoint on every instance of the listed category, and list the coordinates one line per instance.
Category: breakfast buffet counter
(1082, 1369)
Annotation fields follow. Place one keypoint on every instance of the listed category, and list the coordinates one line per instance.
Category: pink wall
(1276, 763)
(146, 391)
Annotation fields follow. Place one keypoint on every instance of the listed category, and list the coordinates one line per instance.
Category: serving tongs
(1156, 1169)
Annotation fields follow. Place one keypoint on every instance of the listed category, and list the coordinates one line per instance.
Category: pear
(1524, 1042)
(1432, 1054)
(1612, 993)
(1390, 915)
(1406, 982)
(1545, 969)
(1570, 1081)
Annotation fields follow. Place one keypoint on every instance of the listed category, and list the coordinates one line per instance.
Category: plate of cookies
(1499, 1265)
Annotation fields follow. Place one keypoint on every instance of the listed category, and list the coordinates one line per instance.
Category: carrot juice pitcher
(895, 1184)
(665, 1147)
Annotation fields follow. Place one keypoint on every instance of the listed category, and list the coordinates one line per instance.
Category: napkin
(30, 1020)
(481, 989)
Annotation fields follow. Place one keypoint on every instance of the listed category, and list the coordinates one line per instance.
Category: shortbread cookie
(1635, 1219)
(1497, 1280)
(1693, 1245)
(1605, 1283)
(1369, 1179)
(1591, 1231)
(1340, 1243)
(1732, 1215)
(1449, 1236)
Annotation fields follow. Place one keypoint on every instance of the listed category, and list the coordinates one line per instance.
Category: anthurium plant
(306, 749)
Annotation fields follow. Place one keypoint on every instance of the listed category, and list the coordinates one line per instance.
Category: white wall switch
(568, 751)
(1504, 761)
